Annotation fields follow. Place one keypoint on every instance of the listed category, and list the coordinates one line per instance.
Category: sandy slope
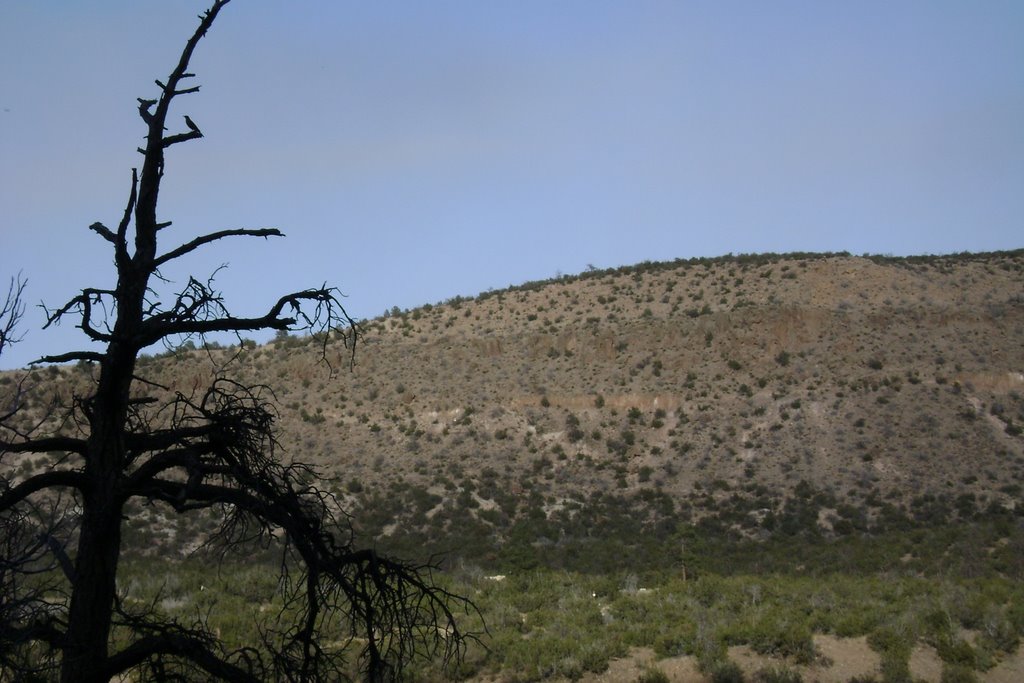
(843, 659)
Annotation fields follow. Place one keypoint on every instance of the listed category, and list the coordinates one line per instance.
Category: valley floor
(844, 659)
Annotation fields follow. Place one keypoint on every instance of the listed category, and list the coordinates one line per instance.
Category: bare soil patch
(842, 660)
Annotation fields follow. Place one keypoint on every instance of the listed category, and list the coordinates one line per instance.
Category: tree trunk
(89, 617)
(99, 543)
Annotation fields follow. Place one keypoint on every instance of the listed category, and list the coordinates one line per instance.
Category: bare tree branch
(181, 137)
(144, 107)
(11, 312)
(104, 232)
(92, 356)
(46, 445)
(121, 241)
(206, 239)
(83, 305)
(192, 646)
(327, 310)
(39, 482)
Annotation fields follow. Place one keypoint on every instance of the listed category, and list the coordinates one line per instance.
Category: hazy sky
(413, 151)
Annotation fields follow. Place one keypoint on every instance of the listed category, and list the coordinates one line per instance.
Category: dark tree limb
(91, 356)
(40, 482)
(121, 241)
(60, 555)
(11, 312)
(82, 304)
(181, 137)
(190, 646)
(27, 614)
(327, 309)
(206, 239)
(104, 232)
(47, 630)
(144, 107)
(45, 445)
(159, 440)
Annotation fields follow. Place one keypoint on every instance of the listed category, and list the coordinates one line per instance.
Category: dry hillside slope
(820, 394)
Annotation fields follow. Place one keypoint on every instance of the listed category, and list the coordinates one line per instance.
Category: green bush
(709, 650)
(564, 624)
(780, 674)
(957, 652)
(895, 669)
(726, 672)
(782, 639)
(652, 674)
(998, 634)
(886, 640)
(894, 646)
(954, 673)
(671, 644)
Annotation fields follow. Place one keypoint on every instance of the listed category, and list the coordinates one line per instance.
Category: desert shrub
(671, 644)
(997, 633)
(777, 636)
(562, 643)
(853, 620)
(312, 418)
(894, 646)
(572, 428)
(954, 673)
(777, 674)
(709, 650)
(708, 589)
(652, 674)
(957, 652)
(726, 672)
(570, 668)
(890, 640)
(895, 669)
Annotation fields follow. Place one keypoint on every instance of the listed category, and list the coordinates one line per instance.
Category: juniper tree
(211, 451)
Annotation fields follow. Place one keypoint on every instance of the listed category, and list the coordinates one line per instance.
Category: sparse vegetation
(882, 440)
(551, 624)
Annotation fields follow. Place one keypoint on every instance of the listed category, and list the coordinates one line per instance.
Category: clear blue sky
(413, 151)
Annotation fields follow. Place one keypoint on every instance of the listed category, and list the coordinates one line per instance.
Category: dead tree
(60, 530)
(11, 312)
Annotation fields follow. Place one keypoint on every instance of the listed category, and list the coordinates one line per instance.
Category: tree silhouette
(128, 439)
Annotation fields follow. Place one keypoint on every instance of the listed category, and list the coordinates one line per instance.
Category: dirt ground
(843, 659)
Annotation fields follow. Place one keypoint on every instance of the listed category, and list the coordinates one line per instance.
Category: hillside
(618, 415)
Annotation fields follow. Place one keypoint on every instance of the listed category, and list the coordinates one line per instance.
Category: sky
(414, 151)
